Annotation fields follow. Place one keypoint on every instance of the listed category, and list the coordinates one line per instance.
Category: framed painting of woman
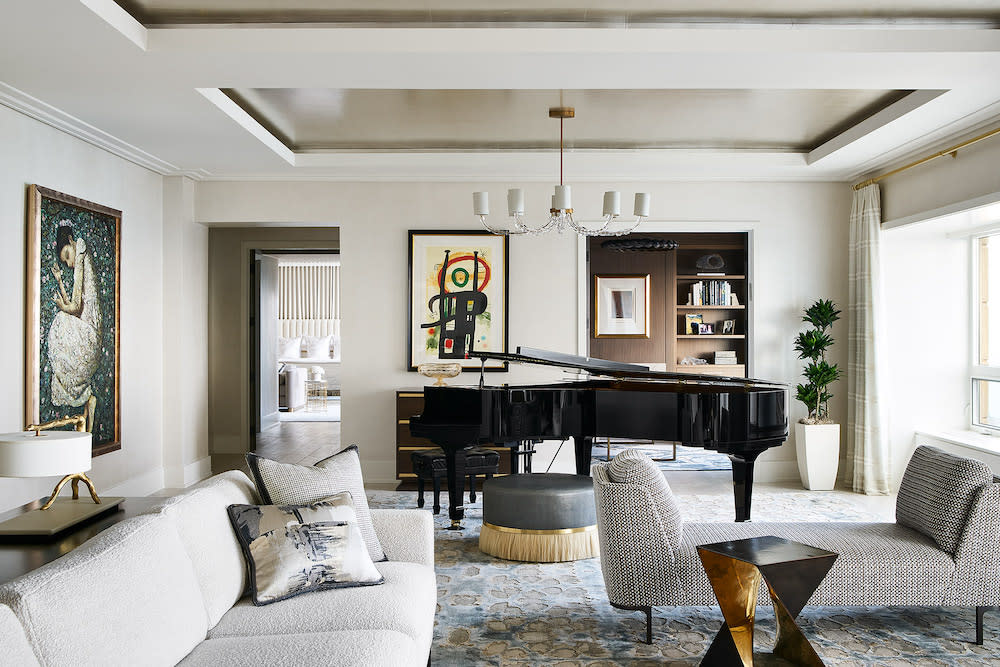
(72, 362)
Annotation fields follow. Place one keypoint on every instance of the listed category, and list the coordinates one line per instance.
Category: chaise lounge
(942, 550)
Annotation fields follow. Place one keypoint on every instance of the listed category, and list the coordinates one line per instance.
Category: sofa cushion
(344, 648)
(316, 347)
(406, 603)
(633, 467)
(290, 484)
(133, 582)
(14, 646)
(289, 348)
(877, 563)
(200, 516)
(936, 493)
(296, 549)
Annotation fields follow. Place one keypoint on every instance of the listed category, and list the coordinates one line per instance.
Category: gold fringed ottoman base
(539, 546)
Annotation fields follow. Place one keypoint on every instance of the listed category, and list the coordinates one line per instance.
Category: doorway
(295, 354)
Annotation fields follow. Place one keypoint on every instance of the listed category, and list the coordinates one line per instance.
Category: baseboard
(143, 485)
(776, 471)
(198, 470)
(267, 421)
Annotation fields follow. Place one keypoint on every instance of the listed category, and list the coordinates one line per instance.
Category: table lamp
(39, 452)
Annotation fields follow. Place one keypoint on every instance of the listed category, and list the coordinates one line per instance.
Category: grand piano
(739, 417)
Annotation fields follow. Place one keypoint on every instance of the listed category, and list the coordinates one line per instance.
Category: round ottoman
(540, 518)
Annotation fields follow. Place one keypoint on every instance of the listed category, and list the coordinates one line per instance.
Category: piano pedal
(456, 524)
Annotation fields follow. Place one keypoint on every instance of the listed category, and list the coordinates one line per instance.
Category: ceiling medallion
(561, 212)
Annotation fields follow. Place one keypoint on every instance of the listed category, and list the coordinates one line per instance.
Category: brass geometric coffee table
(792, 571)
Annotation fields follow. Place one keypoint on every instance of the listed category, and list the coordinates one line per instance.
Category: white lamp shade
(48, 454)
(515, 202)
(641, 204)
(480, 203)
(612, 203)
(562, 199)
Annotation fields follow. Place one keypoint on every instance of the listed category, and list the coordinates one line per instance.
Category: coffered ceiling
(458, 89)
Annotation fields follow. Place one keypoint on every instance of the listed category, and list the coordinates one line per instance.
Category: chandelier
(561, 211)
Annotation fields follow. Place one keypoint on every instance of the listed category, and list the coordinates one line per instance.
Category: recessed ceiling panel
(329, 119)
(214, 11)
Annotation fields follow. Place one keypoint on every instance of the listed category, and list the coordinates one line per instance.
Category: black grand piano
(739, 417)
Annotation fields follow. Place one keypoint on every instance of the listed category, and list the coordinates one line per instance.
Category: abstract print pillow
(290, 484)
(295, 549)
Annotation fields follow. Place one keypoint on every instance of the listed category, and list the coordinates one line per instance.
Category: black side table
(19, 555)
(792, 571)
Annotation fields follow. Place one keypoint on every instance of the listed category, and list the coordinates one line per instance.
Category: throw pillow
(294, 549)
(317, 347)
(291, 484)
(335, 347)
(936, 493)
(633, 467)
(289, 348)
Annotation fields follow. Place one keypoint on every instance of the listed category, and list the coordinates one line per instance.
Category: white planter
(817, 448)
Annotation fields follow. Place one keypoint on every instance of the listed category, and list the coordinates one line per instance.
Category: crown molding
(34, 108)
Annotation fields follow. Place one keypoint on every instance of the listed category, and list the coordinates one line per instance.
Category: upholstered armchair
(943, 548)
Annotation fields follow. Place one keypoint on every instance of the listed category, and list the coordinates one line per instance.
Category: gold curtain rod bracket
(952, 151)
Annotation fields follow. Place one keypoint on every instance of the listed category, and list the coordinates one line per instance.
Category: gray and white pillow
(295, 549)
(291, 484)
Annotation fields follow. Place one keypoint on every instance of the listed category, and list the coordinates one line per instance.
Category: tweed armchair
(943, 549)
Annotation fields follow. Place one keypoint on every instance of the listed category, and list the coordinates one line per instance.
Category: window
(986, 365)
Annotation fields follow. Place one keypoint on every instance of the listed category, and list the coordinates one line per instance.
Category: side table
(20, 556)
(792, 571)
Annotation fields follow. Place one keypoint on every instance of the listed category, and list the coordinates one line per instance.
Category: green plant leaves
(812, 344)
(822, 314)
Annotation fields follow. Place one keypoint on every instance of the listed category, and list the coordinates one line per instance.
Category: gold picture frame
(621, 306)
(73, 304)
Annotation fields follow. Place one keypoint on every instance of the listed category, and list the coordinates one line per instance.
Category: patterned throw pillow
(936, 493)
(295, 549)
(290, 484)
(633, 467)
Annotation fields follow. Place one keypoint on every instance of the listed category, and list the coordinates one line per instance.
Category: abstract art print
(458, 297)
(72, 339)
(621, 306)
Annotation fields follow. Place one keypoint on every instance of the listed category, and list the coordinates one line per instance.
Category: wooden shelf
(716, 336)
(727, 277)
(687, 307)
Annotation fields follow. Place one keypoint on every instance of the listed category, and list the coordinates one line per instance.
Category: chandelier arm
(497, 230)
(603, 231)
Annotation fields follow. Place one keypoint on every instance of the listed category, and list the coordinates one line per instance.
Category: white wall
(800, 255)
(185, 337)
(36, 153)
(927, 283)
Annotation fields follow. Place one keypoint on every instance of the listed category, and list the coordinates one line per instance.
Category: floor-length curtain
(308, 292)
(868, 456)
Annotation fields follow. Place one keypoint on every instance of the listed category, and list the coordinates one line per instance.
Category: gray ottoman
(540, 518)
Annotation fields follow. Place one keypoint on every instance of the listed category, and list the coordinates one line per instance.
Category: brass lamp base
(76, 478)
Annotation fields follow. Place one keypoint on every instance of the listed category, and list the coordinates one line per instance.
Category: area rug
(331, 414)
(496, 612)
(688, 458)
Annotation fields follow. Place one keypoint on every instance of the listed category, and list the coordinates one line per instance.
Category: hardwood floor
(303, 443)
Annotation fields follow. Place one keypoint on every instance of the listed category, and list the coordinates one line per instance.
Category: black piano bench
(429, 464)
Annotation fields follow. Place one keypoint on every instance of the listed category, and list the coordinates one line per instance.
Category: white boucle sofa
(168, 588)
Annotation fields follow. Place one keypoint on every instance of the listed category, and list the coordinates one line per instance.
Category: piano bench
(539, 518)
(429, 465)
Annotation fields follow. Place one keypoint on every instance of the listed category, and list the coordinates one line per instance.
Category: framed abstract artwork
(621, 306)
(458, 297)
(72, 363)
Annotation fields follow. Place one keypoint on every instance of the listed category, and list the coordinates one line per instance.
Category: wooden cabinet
(410, 402)
(706, 258)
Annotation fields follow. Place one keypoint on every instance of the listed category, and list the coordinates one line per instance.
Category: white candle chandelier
(561, 213)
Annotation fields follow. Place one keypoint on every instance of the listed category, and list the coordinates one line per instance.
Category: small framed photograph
(728, 327)
(691, 322)
(621, 306)
(705, 330)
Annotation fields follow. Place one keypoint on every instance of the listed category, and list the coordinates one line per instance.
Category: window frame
(978, 370)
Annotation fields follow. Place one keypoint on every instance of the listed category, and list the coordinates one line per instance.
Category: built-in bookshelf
(672, 277)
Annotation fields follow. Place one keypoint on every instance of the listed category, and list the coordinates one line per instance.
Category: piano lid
(615, 369)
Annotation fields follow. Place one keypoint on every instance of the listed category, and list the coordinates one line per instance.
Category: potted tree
(817, 438)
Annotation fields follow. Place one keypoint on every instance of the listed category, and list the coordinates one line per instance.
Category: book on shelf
(711, 293)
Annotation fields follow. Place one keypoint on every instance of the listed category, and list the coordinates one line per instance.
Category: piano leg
(454, 459)
(743, 482)
(584, 447)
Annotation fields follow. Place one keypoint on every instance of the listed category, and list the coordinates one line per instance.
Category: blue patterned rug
(688, 458)
(496, 612)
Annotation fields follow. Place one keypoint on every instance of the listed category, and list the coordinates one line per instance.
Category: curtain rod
(947, 151)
